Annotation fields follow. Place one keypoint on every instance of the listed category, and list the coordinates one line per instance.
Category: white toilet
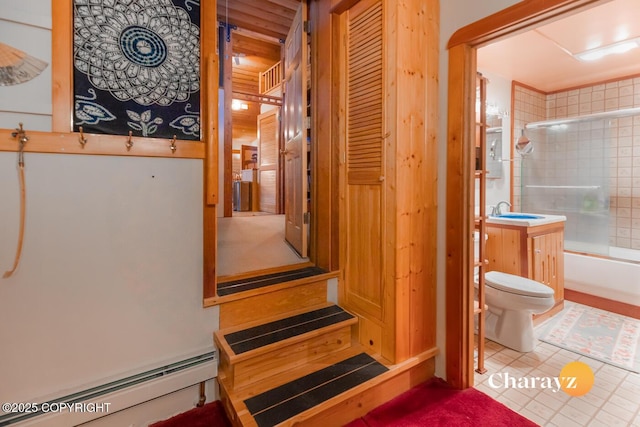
(512, 300)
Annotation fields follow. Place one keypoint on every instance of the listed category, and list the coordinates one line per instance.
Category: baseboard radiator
(114, 396)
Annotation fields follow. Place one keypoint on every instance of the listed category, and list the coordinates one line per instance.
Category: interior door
(269, 147)
(295, 141)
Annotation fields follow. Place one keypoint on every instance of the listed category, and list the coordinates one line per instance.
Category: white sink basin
(525, 219)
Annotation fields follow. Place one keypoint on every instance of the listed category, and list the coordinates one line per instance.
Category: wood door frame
(462, 47)
(323, 244)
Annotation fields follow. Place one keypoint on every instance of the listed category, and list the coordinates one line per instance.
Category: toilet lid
(516, 284)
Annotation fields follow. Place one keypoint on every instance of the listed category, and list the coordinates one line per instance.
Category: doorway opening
(463, 47)
(265, 165)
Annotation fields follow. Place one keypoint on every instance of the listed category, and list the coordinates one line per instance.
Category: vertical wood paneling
(364, 226)
(390, 173)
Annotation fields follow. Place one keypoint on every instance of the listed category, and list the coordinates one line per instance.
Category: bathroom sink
(516, 215)
(524, 219)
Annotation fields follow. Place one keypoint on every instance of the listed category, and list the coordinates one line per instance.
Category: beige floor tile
(613, 401)
(602, 393)
(509, 403)
(611, 420)
(633, 378)
(503, 358)
(630, 386)
(535, 417)
(511, 353)
(561, 419)
(575, 414)
(618, 411)
(613, 372)
(517, 396)
(626, 404)
(550, 399)
(583, 406)
(594, 364)
(591, 399)
(541, 409)
(488, 390)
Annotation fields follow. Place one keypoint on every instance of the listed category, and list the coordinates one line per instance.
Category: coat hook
(129, 143)
(81, 138)
(173, 144)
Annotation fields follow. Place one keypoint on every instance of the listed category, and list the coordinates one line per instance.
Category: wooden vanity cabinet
(535, 252)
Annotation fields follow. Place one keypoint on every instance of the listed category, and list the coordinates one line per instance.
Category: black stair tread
(285, 401)
(247, 284)
(279, 330)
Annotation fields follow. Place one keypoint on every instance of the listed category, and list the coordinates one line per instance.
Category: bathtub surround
(598, 334)
(621, 147)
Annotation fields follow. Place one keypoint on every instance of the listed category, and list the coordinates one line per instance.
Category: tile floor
(614, 399)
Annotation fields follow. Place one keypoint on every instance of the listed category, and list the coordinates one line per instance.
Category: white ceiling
(541, 58)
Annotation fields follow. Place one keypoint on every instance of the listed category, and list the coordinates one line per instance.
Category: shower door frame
(462, 48)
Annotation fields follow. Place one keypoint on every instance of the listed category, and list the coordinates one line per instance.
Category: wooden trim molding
(460, 174)
(525, 14)
(61, 65)
(602, 303)
(98, 144)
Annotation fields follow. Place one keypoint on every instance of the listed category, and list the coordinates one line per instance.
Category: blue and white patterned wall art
(137, 67)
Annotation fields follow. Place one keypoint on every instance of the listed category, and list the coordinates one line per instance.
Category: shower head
(524, 145)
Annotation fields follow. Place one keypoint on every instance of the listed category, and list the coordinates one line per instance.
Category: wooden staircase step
(229, 287)
(260, 336)
(299, 391)
(279, 404)
(259, 350)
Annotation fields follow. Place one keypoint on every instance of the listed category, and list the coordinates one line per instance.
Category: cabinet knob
(537, 251)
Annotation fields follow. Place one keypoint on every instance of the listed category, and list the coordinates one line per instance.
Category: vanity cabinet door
(546, 266)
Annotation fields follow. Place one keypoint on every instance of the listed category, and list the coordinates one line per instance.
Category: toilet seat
(517, 285)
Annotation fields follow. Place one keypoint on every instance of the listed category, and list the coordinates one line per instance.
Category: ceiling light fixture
(237, 105)
(602, 51)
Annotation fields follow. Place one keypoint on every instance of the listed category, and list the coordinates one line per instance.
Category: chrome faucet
(497, 208)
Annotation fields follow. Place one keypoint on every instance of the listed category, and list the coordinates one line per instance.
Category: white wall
(454, 14)
(110, 281)
(499, 94)
(26, 25)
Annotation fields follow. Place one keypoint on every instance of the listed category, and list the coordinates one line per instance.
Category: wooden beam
(256, 97)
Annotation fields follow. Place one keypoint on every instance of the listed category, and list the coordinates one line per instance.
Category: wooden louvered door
(365, 177)
(268, 166)
(295, 141)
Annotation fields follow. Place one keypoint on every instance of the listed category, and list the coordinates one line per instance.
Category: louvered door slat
(365, 97)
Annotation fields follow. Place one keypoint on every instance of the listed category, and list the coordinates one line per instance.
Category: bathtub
(606, 278)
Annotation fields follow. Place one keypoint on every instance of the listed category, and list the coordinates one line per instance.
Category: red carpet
(430, 404)
(210, 415)
(434, 403)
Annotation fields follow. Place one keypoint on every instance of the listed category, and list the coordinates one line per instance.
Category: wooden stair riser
(341, 409)
(284, 358)
(273, 303)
